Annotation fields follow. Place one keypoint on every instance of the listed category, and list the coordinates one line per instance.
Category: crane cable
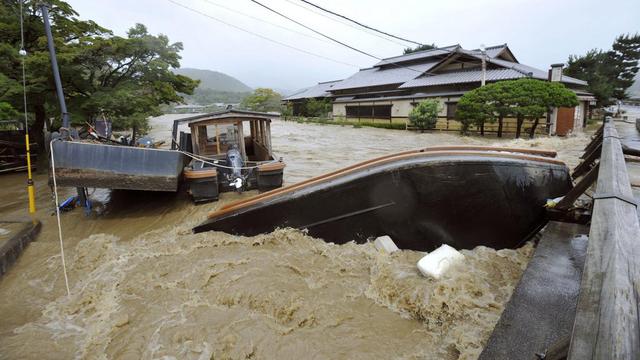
(23, 54)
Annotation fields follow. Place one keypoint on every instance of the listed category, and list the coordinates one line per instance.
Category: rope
(55, 191)
(208, 160)
(23, 53)
(24, 78)
(204, 160)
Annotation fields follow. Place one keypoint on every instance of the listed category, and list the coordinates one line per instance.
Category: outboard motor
(234, 175)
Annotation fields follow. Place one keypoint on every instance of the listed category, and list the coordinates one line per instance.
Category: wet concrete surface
(15, 235)
(630, 138)
(542, 308)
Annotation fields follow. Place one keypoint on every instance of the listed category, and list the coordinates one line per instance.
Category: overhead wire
(315, 31)
(264, 21)
(290, 46)
(292, 2)
(260, 36)
(360, 24)
(337, 41)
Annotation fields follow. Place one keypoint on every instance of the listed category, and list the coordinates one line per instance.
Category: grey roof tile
(492, 51)
(377, 76)
(418, 55)
(460, 77)
(535, 73)
(390, 71)
(319, 90)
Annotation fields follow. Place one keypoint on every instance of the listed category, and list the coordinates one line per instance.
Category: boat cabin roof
(227, 116)
(215, 133)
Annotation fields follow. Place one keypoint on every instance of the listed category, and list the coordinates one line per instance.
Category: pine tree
(624, 56)
(609, 73)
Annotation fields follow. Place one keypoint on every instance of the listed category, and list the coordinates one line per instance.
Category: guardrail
(607, 322)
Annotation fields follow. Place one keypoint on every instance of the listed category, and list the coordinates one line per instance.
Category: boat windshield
(221, 137)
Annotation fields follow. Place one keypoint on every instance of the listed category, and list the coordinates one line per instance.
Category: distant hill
(214, 80)
(215, 87)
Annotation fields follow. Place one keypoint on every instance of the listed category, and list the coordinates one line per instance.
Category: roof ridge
(466, 70)
(422, 51)
(496, 46)
(512, 67)
(491, 47)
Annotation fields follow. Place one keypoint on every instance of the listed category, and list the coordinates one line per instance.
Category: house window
(452, 107)
(369, 111)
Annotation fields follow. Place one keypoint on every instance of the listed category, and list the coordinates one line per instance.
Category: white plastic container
(385, 244)
(439, 260)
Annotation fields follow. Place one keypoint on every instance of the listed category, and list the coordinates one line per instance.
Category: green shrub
(425, 114)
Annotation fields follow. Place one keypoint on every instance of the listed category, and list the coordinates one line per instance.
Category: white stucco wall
(577, 117)
(400, 108)
(339, 110)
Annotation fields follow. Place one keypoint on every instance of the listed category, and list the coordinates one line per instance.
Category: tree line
(609, 72)
(126, 79)
(522, 99)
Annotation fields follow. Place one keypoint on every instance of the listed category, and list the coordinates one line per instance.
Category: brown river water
(144, 287)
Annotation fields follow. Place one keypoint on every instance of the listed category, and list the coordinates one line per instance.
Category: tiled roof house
(389, 89)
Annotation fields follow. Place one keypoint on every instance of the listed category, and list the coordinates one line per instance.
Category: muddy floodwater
(143, 286)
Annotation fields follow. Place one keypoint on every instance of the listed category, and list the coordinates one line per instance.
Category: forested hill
(214, 80)
(215, 87)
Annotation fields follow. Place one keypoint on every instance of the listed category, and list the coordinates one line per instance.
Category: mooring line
(23, 53)
(55, 192)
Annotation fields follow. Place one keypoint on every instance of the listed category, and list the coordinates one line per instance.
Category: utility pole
(54, 67)
(82, 194)
(484, 64)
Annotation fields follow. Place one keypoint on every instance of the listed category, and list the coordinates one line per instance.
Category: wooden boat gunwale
(200, 173)
(427, 152)
(539, 152)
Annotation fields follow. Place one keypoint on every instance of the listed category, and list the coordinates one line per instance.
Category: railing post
(607, 323)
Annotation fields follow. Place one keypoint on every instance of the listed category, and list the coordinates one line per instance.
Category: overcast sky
(538, 32)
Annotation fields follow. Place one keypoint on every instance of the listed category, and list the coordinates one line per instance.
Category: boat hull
(80, 164)
(206, 182)
(422, 200)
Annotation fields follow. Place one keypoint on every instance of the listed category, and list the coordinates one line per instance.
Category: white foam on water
(144, 286)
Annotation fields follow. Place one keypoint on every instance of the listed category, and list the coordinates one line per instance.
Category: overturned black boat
(461, 196)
